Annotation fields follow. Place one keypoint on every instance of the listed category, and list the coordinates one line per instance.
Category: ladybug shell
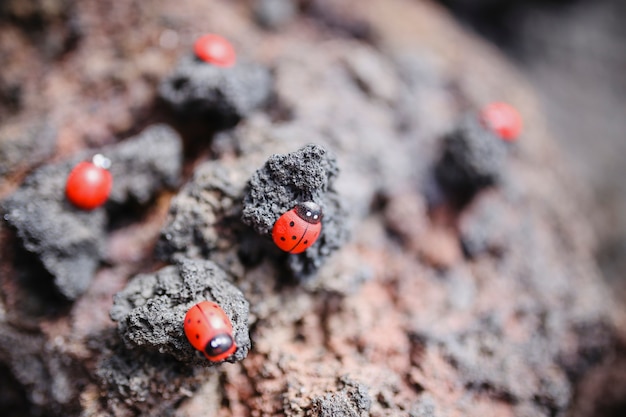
(215, 50)
(503, 119)
(293, 234)
(88, 185)
(209, 330)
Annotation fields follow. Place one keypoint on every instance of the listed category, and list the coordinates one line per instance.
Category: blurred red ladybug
(299, 228)
(89, 183)
(209, 330)
(215, 50)
(503, 119)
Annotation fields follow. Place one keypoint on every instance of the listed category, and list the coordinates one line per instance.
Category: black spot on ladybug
(306, 241)
(291, 224)
(293, 238)
(282, 238)
(198, 321)
(189, 321)
(197, 336)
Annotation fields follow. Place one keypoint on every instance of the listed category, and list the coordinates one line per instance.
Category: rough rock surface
(201, 212)
(273, 14)
(398, 321)
(307, 174)
(145, 164)
(69, 242)
(198, 89)
(151, 309)
(472, 158)
(24, 146)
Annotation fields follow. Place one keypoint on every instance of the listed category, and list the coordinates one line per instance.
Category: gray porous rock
(199, 89)
(353, 400)
(69, 242)
(472, 158)
(425, 406)
(149, 312)
(145, 164)
(484, 364)
(23, 145)
(143, 383)
(307, 174)
(274, 14)
(44, 368)
(199, 213)
(491, 224)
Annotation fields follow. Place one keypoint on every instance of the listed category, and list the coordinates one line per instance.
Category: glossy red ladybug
(89, 183)
(209, 330)
(215, 50)
(299, 228)
(503, 119)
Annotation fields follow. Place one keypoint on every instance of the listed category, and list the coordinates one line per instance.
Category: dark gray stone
(198, 89)
(198, 213)
(273, 14)
(307, 174)
(486, 365)
(69, 241)
(352, 400)
(491, 224)
(151, 309)
(145, 383)
(48, 373)
(24, 145)
(145, 164)
(472, 158)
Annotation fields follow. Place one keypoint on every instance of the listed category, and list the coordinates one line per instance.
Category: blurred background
(574, 51)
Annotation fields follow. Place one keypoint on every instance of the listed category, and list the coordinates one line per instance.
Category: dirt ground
(411, 303)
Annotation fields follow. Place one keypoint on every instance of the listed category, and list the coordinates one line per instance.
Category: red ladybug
(89, 183)
(298, 228)
(503, 119)
(215, 50)
(209, 330)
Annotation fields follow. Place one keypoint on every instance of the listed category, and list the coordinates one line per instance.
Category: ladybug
(503, 119)
(299, 228)
(89, 183)
(215, 50)
(209, 330)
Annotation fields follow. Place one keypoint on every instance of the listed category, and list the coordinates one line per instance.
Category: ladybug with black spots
(210, 331)
(298, 229)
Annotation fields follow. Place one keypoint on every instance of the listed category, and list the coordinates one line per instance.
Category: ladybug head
(309, 212)
(219, 347)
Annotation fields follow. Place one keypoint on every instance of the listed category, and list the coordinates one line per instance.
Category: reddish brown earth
(427, 309)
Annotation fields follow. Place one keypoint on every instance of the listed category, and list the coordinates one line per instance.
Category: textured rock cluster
(24, 147)
(204, 215)
(307, 174)
(151, 309)
(69, 242)
(196, 89)
(472, 158)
